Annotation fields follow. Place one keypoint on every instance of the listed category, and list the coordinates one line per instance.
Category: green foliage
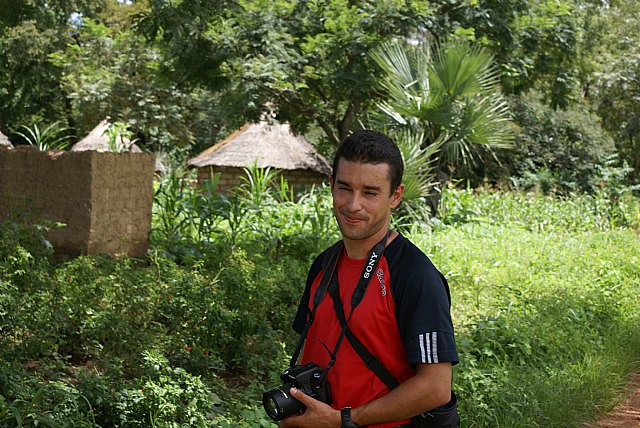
(29, 89)
(38, 401)
(544, 291)
(256, 184)
(119, 137)
(556, 149)
(617, 77)
(168, 397)
(183, 74)
(541, 316)
(448, 92)
(574, 213)
(262, 214)
(542, 45)
(548, 45)
(52, 137)
(305, 61)
(112, 72)
(188, 222)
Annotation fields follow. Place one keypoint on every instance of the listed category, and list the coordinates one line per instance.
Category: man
(403, 318)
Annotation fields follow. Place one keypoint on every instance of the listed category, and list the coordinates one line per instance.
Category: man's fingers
(301, 396)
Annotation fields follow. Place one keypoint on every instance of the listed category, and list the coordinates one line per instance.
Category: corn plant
(257, 183)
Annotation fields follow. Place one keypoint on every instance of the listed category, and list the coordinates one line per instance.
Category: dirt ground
(625, 415)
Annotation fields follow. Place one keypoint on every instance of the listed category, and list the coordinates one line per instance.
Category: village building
(98, 139)
(264, 145)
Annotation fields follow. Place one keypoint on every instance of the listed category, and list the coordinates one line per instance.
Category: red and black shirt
(403, 319)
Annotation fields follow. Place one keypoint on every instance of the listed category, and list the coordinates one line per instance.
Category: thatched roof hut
(98, 140)
(265, 145)
(4, 142)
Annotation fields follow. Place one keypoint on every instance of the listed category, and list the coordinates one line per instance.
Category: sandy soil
(625, 415)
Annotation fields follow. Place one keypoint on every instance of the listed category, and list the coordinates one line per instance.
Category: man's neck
(358, 249)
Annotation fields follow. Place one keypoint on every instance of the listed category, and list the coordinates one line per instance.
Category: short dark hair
(364, 146)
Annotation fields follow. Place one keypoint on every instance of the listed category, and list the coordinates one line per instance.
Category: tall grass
(605, 210)
(545, 301)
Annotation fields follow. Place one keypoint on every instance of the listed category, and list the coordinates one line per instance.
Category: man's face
(363, 200)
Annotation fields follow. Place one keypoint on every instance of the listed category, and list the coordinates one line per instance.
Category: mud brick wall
(104, 199)
(231, 178)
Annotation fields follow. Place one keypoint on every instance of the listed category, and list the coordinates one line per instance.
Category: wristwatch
(347, 422)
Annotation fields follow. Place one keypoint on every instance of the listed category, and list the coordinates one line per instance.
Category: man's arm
(428, 389)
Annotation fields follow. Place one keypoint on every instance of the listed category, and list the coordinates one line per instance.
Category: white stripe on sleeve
(422, 351)
(434, 346)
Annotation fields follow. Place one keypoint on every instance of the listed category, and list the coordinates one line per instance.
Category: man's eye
(371, 193)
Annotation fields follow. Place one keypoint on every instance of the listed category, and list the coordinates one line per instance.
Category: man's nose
(355, 202)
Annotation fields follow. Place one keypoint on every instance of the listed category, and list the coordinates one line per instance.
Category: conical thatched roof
(4, 141)
(266, 145)
(98, 139)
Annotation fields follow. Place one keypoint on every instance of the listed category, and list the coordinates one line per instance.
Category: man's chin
(353, 233)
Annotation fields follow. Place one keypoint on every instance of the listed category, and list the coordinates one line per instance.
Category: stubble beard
(359, 232)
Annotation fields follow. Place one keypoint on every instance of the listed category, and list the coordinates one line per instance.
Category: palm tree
(447, 95)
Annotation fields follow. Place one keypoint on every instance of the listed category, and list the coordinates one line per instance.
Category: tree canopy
(184, 73)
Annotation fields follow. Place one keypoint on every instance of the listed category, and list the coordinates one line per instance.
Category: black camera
(308, 378)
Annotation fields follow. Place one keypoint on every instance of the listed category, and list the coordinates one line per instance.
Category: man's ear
(331, 181)
(396, 196)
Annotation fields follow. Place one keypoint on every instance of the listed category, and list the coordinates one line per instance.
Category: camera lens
(279, 404)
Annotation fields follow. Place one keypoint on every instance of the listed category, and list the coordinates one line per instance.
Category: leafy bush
(544, 301)
(554, 149)
(167, 397)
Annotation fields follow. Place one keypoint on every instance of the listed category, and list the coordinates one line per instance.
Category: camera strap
(328, 270)
(368, 271)
(374, 364)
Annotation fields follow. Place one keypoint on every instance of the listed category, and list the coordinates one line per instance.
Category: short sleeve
(422, 299)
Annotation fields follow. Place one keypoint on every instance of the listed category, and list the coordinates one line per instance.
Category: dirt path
(625, 415)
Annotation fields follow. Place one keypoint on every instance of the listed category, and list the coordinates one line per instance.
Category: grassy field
(547, 323)
(544, 290)
(545, 294)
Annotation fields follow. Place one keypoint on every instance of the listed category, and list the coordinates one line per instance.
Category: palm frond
(459, 69)
(451, 92)
(420, 163)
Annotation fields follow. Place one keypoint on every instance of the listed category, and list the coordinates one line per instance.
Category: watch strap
(347, 422)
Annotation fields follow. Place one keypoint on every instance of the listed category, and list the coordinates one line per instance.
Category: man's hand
(317, 414)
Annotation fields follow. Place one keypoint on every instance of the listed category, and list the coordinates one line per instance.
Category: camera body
(279, 404)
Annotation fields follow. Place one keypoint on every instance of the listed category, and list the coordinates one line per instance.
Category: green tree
(615, 87)
(556, 149)
(29, 31)
(538, 44)
(81, 60)
(113, 72)
(181, 30)
(305, 61)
